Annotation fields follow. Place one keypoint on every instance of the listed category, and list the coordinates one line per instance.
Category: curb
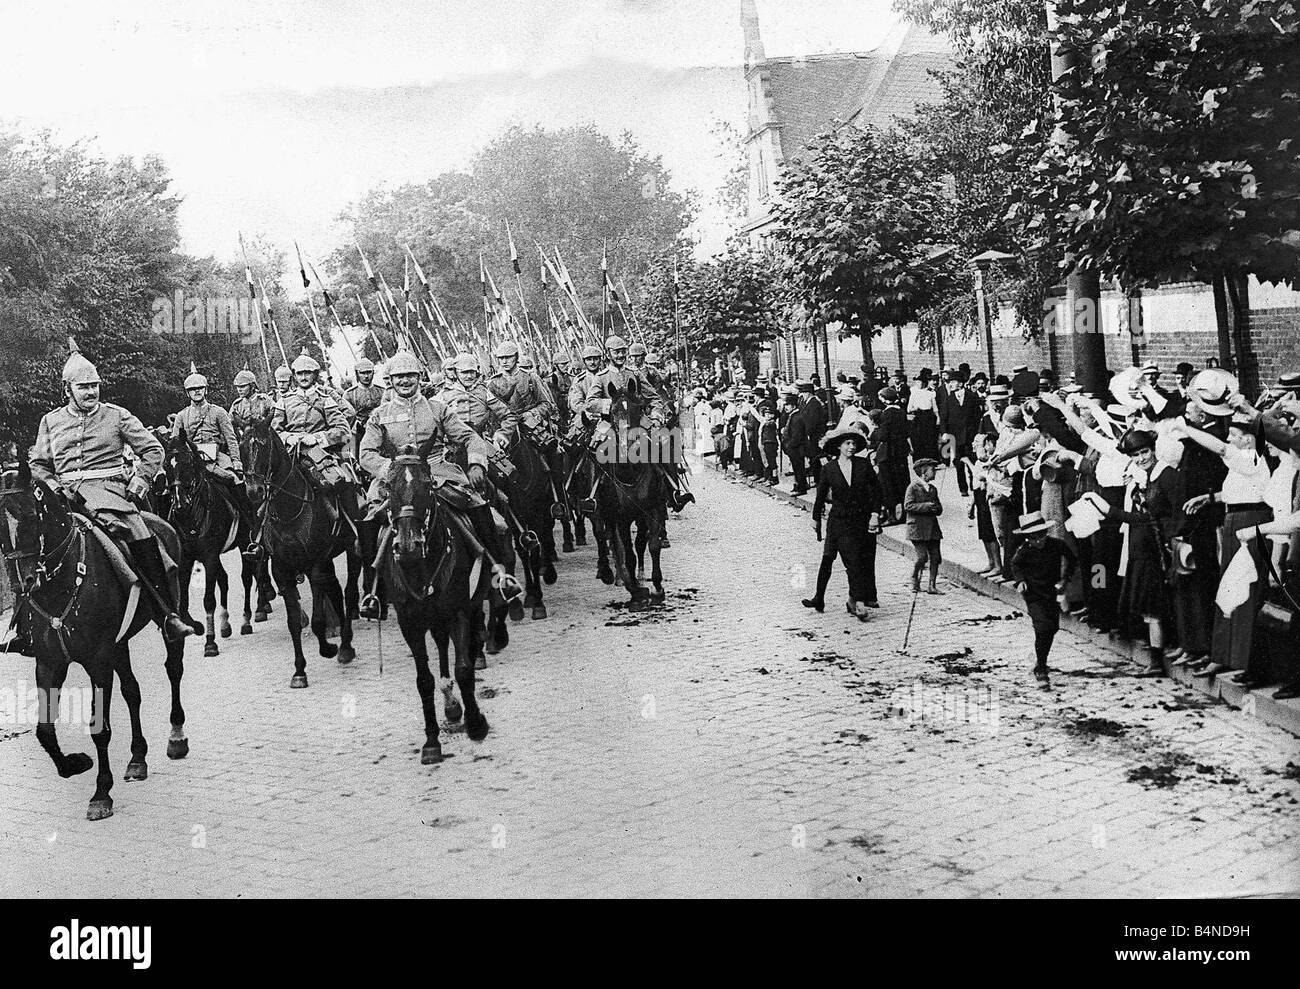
(1260, 705)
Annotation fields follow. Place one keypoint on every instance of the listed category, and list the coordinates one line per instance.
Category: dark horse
(631, 490)
(580, 477)
(76, 606)
(531, 499)
(434, 570)
(208, 524)
(303, 529)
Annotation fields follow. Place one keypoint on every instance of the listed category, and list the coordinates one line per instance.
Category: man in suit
(890, 443)
(956, 404)
(814, 414)
(849, 484)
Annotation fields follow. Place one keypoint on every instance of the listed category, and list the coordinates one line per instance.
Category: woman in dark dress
(923, 419)
(1151, 514)
(849, 485)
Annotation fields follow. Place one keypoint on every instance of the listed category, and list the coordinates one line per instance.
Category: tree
(1175, 157)
(856, 233)
(86, 246)
(574, 188)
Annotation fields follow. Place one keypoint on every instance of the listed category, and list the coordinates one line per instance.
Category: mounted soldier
(411, 419)
(211, 430)
(619, 380)
(283, 381)
(480, 409)
(308, 418)
(365, 396)
(525, 395)
(579, 425)
(250, 405)
(80, 452)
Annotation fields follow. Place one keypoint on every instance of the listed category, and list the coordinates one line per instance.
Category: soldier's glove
(308, 439)
(502, 441)
(138, 487)
(477, 477)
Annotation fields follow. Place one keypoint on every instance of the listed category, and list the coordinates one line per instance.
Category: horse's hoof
(136, 771)
(451, 708)
(347, 654)
(299, 680)
(477, 728)
(99, 809)
(198, 628)
(530, 599)
(664, 543)
(178, 748)
(657, 594)
(430, 754)
(329, 650)
(259, 616)
(480, 662)
(549, 576)
(210, 649)
(566, 546)
(76, 764)
(605, 574)
(226, 631)
(641, 594)
(246, 629)
(491, 647)
(516, 609)
(539, 611)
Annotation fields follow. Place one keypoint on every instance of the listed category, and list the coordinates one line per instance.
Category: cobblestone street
(726, 743)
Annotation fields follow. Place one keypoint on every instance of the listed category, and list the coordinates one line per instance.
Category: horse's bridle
(407, 511)
(274, 490)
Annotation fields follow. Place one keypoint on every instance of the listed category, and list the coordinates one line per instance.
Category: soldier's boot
(678, 496)
(485, 527)
(152, 572)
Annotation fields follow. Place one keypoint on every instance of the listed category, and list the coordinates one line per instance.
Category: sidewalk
(963, 559)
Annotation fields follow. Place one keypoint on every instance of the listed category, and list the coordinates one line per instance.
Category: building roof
(811, 95)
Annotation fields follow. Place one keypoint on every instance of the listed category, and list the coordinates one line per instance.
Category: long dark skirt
(1144, 592)
(984, 518)
(1233, 634)
(924, 433)
(1104, 579)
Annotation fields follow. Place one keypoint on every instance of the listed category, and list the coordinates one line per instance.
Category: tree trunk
(1238, 286)
(868, 359)
(1221, 319)
(1083, 298)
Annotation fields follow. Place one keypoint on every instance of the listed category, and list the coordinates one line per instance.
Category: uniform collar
(77, 413)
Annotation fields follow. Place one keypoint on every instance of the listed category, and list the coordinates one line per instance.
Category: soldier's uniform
(485, 414)
(258, 407)
(210, 428)
(84, 454)
(364, 399)
(312, 412)
(527, 397)
(400, 422)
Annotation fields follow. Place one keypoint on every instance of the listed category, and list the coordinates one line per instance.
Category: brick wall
(1179, 323)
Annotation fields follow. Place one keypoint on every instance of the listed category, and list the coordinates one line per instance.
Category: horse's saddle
(118, 558)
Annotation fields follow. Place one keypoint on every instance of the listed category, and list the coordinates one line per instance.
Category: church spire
(754, 53)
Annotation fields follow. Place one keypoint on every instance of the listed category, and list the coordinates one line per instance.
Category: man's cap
(636, 350)
(365, 364)
(506, 348)
(888, 395)
(616, 343)
(526, 361)
(245, 377)
(282, 373)
(467, 362)
(652, 359)
(919, 465)
(1033, 523)
(591, 350)
(999, 393)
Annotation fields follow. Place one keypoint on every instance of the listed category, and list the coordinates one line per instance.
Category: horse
(529, 492)
(580, 471)
(73, 597)
(433, 567)
(303, 530)
(208, 524)
(631, 490)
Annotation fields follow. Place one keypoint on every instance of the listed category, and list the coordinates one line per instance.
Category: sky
(273, 117)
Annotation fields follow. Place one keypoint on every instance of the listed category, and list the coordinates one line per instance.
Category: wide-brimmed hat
(1032, 524)
(1055, 468)
(888, 395)
(803, 385)
(831, 441)
(846, 393)
(1024, 383)
(1290, 381)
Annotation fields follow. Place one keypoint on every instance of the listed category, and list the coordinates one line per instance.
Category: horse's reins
(45, 574)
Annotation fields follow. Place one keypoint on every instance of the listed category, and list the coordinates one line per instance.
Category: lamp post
(983, 262)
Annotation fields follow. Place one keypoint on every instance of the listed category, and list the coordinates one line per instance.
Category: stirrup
(369, 608)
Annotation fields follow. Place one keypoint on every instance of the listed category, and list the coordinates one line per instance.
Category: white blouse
(921, 400)
(1247, 477)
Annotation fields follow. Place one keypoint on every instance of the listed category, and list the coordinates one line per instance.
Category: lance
(311, 317)
(389, 320)
(257, 307)
(604, 289)
(632, 309)
(370, 328)
(519, 287)
(329, 305)
(270, 315)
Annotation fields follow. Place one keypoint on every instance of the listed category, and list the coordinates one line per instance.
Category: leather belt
(93, 474)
